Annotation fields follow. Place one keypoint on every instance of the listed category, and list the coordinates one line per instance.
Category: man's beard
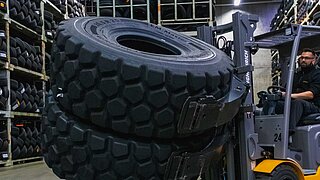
(305, 66)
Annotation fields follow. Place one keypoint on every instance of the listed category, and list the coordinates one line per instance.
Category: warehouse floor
(29, 171)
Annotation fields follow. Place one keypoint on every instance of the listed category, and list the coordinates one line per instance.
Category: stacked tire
(3, 143)
(26, 12)
(25, 55)
(50, 24)
(47, 62)
(25, 97)
(117, 95)
(316, 19)
(4, 93)
(75, 9)
(3, 46)
(25, 142)
(60, 4)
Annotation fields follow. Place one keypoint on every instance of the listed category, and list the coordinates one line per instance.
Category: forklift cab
(299, 150)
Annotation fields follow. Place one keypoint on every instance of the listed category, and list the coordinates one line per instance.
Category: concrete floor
(29, 171)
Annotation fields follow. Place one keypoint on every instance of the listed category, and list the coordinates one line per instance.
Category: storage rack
(124, 9)
(292, 11)
(192, 14)
(180, 15)
(90, 7)
(7, 69)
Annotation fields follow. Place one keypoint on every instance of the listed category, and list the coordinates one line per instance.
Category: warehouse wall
(261, 60)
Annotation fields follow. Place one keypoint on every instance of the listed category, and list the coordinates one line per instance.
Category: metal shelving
(311, 13)
(192, 7)
(12, 114)
(23, 29)
(182, 16)
(8, 69)
(54, 9)
(26, 72)
(24, 159)
(299, 12)
(128, 9)
(52, 6)
(15, 113)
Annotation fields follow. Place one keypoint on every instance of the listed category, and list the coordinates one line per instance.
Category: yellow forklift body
(314, 176)
(268, 165)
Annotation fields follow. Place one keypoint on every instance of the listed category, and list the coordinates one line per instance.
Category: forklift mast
(243, 27)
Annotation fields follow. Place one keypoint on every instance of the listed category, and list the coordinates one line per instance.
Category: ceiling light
(236, 2)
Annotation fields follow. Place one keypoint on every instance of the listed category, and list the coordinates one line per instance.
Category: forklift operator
(306, 89)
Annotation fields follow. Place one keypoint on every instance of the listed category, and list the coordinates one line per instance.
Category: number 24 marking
(277, 137)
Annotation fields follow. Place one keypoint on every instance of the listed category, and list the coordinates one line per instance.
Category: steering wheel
(275, 88)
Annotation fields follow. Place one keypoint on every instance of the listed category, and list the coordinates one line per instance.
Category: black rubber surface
(14, 84)
(14, 61)
(5, 91)
(127, 79)
(78, 151)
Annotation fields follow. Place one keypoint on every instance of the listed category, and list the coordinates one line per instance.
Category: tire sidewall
(196, 56)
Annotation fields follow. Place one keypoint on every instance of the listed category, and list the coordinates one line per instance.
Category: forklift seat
(310, 119)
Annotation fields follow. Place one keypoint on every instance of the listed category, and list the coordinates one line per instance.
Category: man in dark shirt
(306, 89)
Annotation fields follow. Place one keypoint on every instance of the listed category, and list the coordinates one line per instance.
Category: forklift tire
(74, 149)
(130, 81)
(282, 172)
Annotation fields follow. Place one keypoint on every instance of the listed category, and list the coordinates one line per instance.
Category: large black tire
(135, 77)
(282, 172)
(75, 150)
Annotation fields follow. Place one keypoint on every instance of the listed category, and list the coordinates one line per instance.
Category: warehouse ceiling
(245, 1)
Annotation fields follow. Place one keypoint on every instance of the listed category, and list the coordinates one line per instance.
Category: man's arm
(303, 95)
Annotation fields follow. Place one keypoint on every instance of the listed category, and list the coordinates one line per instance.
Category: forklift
(256, 146)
